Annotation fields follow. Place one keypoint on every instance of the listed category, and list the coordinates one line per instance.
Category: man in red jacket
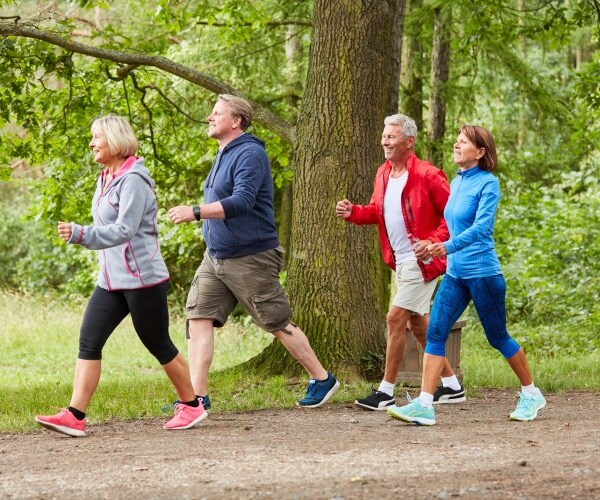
(408, 204)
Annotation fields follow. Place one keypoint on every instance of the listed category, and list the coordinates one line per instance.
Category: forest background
(322, 76)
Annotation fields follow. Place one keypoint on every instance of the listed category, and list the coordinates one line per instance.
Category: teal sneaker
(413, 412)
(528, 406)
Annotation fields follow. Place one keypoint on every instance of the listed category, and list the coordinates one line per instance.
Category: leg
(87, 376)
(295, 341)
(489, 296)
(418, 327)
(209, 303)
(150, 317)
(201, 348)
(519, 364)
(179, 374)
(397, 319)
(103, 314)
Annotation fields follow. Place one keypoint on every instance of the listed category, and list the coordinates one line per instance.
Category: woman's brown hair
(482, 138)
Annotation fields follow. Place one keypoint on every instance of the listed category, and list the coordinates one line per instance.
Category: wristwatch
(196, 210)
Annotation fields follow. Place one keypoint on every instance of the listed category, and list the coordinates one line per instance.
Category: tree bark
(337, 283)
(440, 68)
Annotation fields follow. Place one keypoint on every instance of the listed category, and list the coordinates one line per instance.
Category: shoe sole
(450, 399)
(412, 420)
(326, 398)
(367, 407)
(60, 428)
(528, 419)
(188, 426)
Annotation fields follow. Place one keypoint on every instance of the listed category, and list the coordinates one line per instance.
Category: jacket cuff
(77, 232)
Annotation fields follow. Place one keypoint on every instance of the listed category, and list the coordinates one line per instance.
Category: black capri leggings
(149, 313)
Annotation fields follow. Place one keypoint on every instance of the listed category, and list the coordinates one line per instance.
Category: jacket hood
(244, 139)
(132, 165)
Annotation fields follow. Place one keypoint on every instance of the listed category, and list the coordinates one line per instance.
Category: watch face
(196, 210)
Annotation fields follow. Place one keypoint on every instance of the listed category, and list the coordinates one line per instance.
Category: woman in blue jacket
(473, 273)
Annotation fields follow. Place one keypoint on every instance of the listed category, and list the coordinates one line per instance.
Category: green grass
(38, 348)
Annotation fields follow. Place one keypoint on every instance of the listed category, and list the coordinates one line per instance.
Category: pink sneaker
(64, 422)
(186, 417)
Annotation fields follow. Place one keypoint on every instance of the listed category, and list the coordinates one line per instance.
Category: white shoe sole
(61, 428)
(529, 419)
(326, 398)
(450, 399)
(190, 425)
(367, 407)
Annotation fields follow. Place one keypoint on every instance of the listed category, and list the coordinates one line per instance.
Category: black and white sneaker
(377, 400)
(447, 395)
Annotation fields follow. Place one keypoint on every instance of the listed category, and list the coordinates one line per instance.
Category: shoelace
(525, 402)
(312, 387)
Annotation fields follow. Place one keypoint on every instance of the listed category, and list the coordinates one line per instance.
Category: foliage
(548, 241)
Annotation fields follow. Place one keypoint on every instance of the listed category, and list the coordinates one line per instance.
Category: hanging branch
(262, 115)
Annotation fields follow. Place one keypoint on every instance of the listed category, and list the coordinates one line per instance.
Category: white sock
(530, 389)
(386, 387)
(451, 382)
(426, 399)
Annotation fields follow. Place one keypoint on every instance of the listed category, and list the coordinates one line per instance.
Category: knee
(396, 321)
(507, 346)
(89, 349)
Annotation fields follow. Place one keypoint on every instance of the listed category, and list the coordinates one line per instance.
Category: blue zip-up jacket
(240, 178)
(470, 214)
(125, 230)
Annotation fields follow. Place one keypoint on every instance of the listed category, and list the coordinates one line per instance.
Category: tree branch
(262, 115)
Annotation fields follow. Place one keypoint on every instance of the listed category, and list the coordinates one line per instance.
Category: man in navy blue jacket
(243, 257)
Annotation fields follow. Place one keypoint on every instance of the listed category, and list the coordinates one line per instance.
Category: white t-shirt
(394, 221)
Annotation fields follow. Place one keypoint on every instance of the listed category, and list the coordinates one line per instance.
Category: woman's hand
(437, 250)
(65, 231)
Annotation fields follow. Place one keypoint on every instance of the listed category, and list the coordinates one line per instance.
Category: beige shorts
(252, 281)
(413, 293)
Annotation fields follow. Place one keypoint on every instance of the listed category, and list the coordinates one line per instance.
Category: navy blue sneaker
(319, 391)
(204, 400)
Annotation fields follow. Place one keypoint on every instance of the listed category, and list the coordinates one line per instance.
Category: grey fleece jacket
(125, 230)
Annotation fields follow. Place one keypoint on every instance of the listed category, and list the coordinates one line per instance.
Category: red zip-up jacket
(423, 201)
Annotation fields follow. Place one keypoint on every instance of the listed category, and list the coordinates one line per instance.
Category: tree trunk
(337, 283)
(440, 67)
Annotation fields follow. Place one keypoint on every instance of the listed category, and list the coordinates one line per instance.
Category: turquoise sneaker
(528, 406)
(413, 412)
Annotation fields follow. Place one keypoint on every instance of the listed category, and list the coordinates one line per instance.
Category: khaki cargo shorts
(252, 281)
(413, 293)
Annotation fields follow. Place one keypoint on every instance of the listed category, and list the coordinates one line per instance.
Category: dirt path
(334, 452)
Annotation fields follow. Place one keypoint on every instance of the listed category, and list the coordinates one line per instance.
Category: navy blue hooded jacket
(240, 178)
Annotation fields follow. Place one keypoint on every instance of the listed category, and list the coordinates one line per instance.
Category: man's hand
(65, 231)
(437, 250)
(421, 249)
(343, 209)
(182, 213)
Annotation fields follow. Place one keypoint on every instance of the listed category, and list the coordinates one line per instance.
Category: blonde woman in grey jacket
(132, 279)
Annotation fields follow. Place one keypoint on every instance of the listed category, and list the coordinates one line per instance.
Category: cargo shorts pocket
(272, 310)
(192, 298)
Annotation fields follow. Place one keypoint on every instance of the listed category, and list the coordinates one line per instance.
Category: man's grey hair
(239, 107)
(409, 127)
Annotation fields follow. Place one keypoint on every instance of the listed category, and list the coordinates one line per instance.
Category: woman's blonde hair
(119, 134)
